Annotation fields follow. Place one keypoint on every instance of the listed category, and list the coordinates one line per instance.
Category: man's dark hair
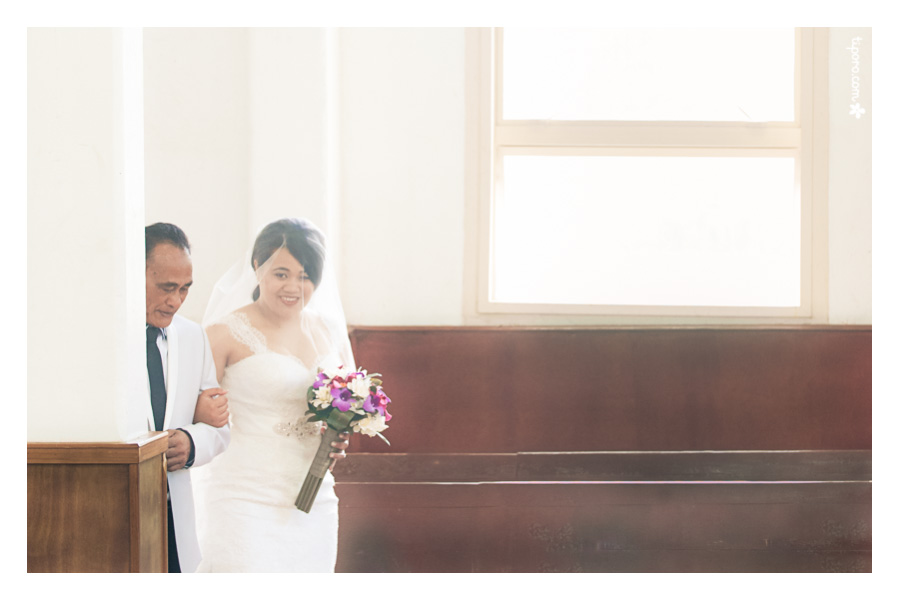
(164, 233)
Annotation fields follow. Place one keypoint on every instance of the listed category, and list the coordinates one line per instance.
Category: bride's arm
(212, 404)
(221, 343)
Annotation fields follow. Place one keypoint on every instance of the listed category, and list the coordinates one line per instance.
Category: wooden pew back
(613, 449)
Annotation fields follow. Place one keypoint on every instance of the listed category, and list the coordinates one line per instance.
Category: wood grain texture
(815, 465)
(522, 390)
(149, 553)
(78, 518)
(105, 517)
(131, 452)
(613, 449)
(611, 527)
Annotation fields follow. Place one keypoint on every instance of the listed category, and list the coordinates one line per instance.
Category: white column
(86, 359)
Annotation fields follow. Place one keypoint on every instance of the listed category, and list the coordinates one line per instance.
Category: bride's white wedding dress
(246, 518)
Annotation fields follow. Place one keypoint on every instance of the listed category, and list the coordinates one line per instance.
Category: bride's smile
(284, 286)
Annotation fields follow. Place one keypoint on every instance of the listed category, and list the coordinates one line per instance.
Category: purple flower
(320, 380)
(343, 399)
(377, 401)
(370, 404)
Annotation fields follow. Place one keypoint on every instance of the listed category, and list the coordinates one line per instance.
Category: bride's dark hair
(301, 238)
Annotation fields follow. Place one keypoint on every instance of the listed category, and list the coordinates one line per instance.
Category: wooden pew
(613, 449)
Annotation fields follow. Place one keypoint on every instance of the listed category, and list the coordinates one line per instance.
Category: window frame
(490, 138)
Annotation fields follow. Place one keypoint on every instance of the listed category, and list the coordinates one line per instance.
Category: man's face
(169, 276)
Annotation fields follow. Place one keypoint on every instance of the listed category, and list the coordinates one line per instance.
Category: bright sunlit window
(611, 235)
(650, 171)
(649, 74)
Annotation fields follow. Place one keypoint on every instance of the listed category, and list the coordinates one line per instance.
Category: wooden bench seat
(605, 527)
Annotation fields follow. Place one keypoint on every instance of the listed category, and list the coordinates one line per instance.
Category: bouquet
(345, 400)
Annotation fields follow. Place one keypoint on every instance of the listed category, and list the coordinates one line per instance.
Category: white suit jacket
(190, 369)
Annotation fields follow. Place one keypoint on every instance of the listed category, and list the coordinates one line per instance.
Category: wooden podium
(98, 507)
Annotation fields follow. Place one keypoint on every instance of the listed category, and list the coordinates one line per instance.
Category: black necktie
(158, 401)
(157, 382)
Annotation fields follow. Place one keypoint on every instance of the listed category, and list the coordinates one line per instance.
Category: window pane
(649, 74)
(657, 231)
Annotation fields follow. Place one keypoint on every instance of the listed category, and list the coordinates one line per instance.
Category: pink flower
(377, 401)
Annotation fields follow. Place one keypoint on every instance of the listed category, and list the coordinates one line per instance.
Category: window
(657, 172)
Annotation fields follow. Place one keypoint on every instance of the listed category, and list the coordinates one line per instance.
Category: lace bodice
(240, 328)
(270, 387)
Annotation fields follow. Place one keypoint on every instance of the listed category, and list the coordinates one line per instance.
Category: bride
(267, 353)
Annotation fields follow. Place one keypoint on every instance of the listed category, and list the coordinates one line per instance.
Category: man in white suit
(181, 372)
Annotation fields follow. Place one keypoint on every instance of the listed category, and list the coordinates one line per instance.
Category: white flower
(360, 386)
(323, 397)
(332, 372)
(370, 425)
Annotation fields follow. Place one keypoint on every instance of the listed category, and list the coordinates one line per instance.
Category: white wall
(383, 148)
(197, 145)
(850, 177)
(402, 175)
(293, 105)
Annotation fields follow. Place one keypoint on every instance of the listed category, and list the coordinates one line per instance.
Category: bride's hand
(341, 446)
(212, 407)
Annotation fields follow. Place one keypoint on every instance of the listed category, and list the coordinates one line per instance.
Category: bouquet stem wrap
(337, 422)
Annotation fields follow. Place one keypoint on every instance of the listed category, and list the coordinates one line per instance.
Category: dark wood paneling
(799, 465)
(817, 465)
(500, 390)
(591, 527)
(377, 467)
(571, 449)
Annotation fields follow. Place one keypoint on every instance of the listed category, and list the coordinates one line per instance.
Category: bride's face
(284, 286)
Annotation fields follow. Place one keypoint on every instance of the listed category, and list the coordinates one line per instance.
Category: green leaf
(318, 414)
